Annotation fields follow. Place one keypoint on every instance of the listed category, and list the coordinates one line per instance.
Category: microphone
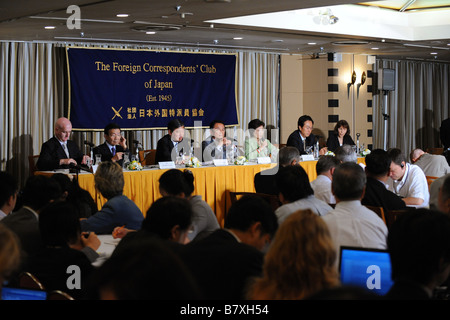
(90, 144)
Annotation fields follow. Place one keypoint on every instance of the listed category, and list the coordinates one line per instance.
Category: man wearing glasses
(302, 138)
(115, 145)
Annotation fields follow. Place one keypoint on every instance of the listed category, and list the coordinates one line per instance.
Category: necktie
(176, 147)
(65, 150)
(113, 150)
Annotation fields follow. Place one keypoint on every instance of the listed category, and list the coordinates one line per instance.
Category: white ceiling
(275, 28)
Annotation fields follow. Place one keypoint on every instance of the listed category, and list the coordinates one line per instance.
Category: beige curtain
(33, 94)
(417, 106)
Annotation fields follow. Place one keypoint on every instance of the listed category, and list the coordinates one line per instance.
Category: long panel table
(212, 183)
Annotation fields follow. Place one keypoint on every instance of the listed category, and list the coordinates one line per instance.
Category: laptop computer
(22, 294)
(366, 268)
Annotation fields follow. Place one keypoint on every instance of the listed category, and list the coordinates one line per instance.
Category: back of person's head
(345, 153)
(248, 210)
(326, 163)
(40, 190)
(349, 181)
(145, 270)
(111, 126)
(287, 155)
(415, 154)
(9, 253)
(166, 213)
(419, 245)
(175, 124)
(109, 179)
(301, 121)
(8, 187)
(175, 182)
(300, 260)
(64, 182)
(293, 183)
(59, 224)
(396, 155)
(255, 124)
(378, 163)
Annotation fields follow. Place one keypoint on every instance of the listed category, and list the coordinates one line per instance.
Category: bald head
(415, 154)
(63, 129)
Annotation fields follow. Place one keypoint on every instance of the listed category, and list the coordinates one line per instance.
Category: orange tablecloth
(212, 183)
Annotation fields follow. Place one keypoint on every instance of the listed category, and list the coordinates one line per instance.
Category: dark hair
(175, 181)
(165, 213)
(255, 124)
(248, 210)
(342, 123)
(174, 124)
(417, 241)
(325, 163)
(213, 123)
(39, 190)
(293, 183)
(396, 156)
(378, 162)
(64, 182)
(349, 181)
(445, 188)
(287, 155)
(301, 121)
(59, 224)
(110, 126)
(8, 187)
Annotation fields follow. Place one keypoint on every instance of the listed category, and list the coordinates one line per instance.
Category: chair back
(430, 180)
(29, 281)
(378, 210)
(270, 198)
(59, 295)
(439, 151)
(393, 215)
(32, 160)
(147, 157)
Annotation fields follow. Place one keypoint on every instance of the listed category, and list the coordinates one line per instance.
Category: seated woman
(118, 210)
(257, 146)
(340, 136)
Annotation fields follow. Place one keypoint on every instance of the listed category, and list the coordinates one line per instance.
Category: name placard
(166, 165)
(220, 162)
(307, 157)
(263, 160)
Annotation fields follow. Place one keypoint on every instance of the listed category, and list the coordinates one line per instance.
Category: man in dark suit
(59, 151)
(216, 146)
(172, 144)
(115, 146)
(224, 262)
(377, 171)
(302, 137)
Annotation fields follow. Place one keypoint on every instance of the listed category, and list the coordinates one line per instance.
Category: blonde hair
(109, 179)
(9, 252)
(300, 260)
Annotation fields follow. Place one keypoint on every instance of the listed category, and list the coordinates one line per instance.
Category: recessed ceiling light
(311, 43)
(238, 38)
(50, 27)
(122, 15)
(150, 32)
(374, 48)
(434, 53)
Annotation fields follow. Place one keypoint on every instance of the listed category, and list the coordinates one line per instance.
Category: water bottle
(316, 150)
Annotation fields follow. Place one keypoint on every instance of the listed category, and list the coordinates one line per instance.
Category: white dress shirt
(413, 184)
(2, 214)
(322, 189)
(352, 224)
(311, 202)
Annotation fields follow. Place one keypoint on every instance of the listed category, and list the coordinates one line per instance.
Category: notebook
(366, 268)
(22, 294)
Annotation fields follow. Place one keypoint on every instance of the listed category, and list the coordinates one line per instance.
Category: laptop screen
(22, 294)
(366, 268)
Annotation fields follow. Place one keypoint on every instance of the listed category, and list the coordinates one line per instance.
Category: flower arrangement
(193, 163)
(365, 152)
(240, 160)
(135, 166)
(330, 153)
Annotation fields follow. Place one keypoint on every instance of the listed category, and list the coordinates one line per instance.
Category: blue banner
(140, 89)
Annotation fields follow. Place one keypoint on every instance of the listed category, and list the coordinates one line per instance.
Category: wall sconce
(363, 78)
(353, 77)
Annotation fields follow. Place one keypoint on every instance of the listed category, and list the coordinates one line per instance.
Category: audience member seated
(37, 193)
(60, 231)
(351, 223)
(346, 153)
(172, 144)
(217, 146)
(300, 261)
(296, 193)
(8, 194)
(10, 257)
(60, 152)
(376, 193)
(444, 196)
(325, 167)
(143, 270)
(265, 180)
(444, 134)
(340, 136)
(433, 165)
(118, 210)
(223, 262)
(435, 187)
(419, 248)
(302, 138)
(115, 146)
(257, 145)
(179, 183)
(407, 180)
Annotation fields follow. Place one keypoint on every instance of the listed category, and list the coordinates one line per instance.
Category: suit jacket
(333, 142)
(52, 152)
(210, 148)
(116, 212)
(165, 146)
(295, 140)
(25, 225)
(106, 153)
(221, 265)
(378, 196)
